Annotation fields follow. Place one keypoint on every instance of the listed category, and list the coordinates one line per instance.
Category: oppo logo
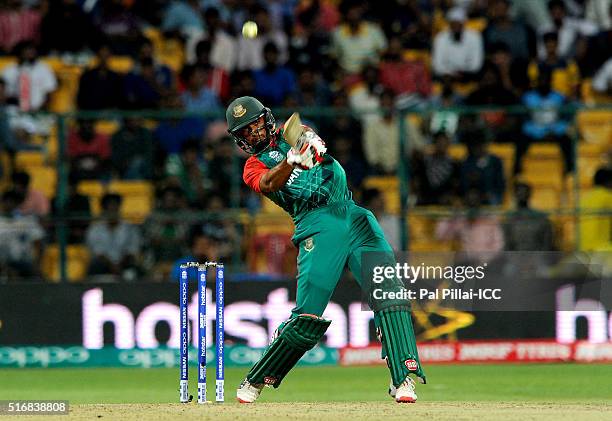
(51, 355)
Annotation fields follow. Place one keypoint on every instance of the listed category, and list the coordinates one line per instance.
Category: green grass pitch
(569, 383)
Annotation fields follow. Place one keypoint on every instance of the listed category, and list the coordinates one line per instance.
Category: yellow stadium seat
(121, 64)
(544, 150)
(107, 127)
(389, 186)
(5, 61)
(138, 198)
(550, 167)
(545, 199)
(592, 149)
(43, 179)
(172, 54)
(587, 166)
(541, 180)
(595, 126)
(77, 262)
(55, 63)
(94, 190)
(64, 98)
(26, 159)
(457, 151)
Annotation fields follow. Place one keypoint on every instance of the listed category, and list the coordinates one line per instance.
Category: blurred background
(464, 125)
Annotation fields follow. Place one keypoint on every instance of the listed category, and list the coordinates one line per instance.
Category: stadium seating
(27, 159)
(138, 198)
(77, 262)
(389, 186)
(43, 179)
(595, 126)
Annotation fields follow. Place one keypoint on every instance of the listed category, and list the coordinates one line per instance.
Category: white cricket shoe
(247, 392)
(405, 392)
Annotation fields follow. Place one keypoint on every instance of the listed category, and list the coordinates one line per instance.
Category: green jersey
(305, 190)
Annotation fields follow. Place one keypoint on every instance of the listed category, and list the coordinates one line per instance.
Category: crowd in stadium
(373, 59)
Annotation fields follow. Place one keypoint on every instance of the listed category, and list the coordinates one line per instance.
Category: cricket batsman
(331, 231)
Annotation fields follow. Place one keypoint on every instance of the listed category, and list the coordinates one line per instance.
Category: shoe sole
(405, 399)
(241, 401)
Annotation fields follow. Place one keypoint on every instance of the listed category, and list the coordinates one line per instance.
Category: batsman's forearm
(275, 179)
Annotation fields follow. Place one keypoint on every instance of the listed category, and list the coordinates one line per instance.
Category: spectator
(481, 237)
(381, 137)
(374, 200)
(436, 174)
(118, 25)
(34, 201)
(444, 120)
(596, 230)
(602, 82)
(312, 89)
(222, 51)
(502, 28)
(21, 246)
(224, 229)
(188, 172)
(132, 151)
(142, 88)
(564, 72)
(512, 71)
(26, 86)
(18, 24)
(100, 88)
(242, 84)
(364, 97)
(202, 248)
(356, 42)
(273, 83)
(88, 151)
(223, 165)
(65, 28)
(527, 229)
(197, 96)
(457, 52)
(217, 78)
(310, 38)
(113, 243)
(545, 124)
(408, 19)
(172, 133)
(183, 17)
(30, 81)
(167, 227)
(164, 76)
(403, 77)
(343, 124)
(482, 171)
(250, 50)
(491, 92)
(344, 150)
(568, 30)
(77, 212)
(599, 45)
(534, 13)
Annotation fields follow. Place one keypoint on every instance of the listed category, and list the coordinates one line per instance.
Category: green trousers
(328, 239)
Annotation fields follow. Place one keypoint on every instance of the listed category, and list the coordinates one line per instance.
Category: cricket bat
(293, 129)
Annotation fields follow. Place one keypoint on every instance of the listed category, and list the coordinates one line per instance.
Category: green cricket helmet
(244, 111)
